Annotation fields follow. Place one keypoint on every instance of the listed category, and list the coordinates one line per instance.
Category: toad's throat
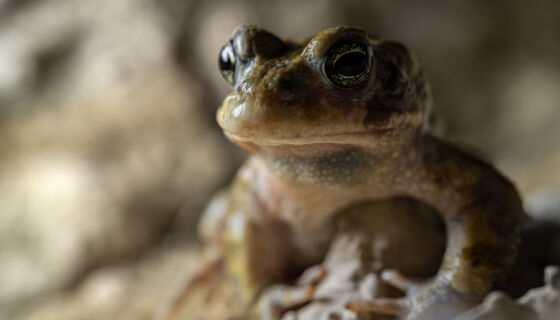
(329, 165)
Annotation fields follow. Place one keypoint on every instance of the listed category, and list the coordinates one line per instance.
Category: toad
(331, 122)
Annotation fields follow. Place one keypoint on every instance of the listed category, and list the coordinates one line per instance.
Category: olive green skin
(318, 149)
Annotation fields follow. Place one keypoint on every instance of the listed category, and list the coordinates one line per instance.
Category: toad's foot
(277, 299)
(402, 282)
(433, 299)
(280, 298)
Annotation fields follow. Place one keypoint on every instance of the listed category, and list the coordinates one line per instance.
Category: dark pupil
(351, 64)
(225, 59)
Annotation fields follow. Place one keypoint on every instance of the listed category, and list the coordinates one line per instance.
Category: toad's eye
(347, 64)
(227, 63)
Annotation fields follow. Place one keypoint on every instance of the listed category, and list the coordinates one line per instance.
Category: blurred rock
(130, 291)
(103, 140)
(539, 247)
(544, 204)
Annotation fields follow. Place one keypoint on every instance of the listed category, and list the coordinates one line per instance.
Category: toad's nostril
(244, 88)
(290, 84)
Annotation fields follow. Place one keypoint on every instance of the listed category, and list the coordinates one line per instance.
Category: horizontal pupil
(351, 64)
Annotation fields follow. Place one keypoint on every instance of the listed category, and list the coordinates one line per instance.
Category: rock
(128, 291)
(498, 306)
(103, 141)
(545, 300)
(540, 303)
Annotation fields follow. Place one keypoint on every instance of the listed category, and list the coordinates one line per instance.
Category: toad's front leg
(256, 254)
(482, 212)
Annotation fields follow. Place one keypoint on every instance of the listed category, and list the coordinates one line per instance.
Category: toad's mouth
(308, 145)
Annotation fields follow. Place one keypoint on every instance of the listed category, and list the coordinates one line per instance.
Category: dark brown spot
(379, 110)
(377, 118)
(492, 257)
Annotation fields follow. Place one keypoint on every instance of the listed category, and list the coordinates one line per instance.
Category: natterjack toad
(334, 121)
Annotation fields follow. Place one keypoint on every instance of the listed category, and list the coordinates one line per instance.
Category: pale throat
(320, 165)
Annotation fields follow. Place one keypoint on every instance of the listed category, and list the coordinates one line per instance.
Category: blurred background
(109, 149)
